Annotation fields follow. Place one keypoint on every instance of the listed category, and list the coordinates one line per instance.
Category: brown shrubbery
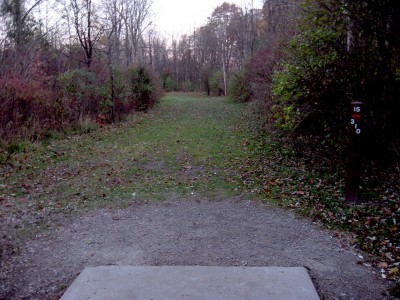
(29, 108)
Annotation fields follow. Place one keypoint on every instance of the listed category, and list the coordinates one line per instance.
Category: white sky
(171, 18)
(176, 17)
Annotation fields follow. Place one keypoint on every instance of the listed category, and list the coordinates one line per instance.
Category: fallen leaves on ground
(314, 186)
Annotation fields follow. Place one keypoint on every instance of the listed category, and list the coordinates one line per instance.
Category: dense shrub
(114, 100)
(308, 78)
(81, 93)
(344, 51)
(76, 98)
(216, 83)
(254, 83)
(27, 107)
(145, 88)
(169, 85)
(167, 82)
(240, 87)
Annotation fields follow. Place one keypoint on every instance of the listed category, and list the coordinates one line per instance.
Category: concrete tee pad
(192, 282)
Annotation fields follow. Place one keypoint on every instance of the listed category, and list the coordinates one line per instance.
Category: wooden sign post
(354, 157)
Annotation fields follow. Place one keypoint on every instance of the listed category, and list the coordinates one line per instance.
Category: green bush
(81, 90)
(216, 82)
(113, 95)
(144, 88)
(169, 84)
(307, 79)
(240, 87)
(343, 52)
(78, 83)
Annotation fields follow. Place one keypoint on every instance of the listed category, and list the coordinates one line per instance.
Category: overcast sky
(175, 17)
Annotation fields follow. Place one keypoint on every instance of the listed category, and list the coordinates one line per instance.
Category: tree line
(64, 63)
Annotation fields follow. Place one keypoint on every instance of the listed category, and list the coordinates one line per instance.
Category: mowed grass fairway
(189, 145)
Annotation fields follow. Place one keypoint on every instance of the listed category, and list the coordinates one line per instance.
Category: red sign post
(354, 157)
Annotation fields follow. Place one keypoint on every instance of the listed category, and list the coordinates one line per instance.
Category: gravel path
(221, 232)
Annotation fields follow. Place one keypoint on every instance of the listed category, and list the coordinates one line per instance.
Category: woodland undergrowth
(307, 174)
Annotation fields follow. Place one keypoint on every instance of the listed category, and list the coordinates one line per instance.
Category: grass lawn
(187, 145)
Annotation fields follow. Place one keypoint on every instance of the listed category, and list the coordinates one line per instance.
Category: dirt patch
(156, 166)
(197, 231)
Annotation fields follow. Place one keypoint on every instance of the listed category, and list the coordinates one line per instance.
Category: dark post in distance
(354, 158)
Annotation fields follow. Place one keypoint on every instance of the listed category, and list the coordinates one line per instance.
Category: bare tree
(157, 51)
(225, 19)
(135, 15)
(87, 27)
(279, 16)
(114, 26)
(19, 16)
(22, 39)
